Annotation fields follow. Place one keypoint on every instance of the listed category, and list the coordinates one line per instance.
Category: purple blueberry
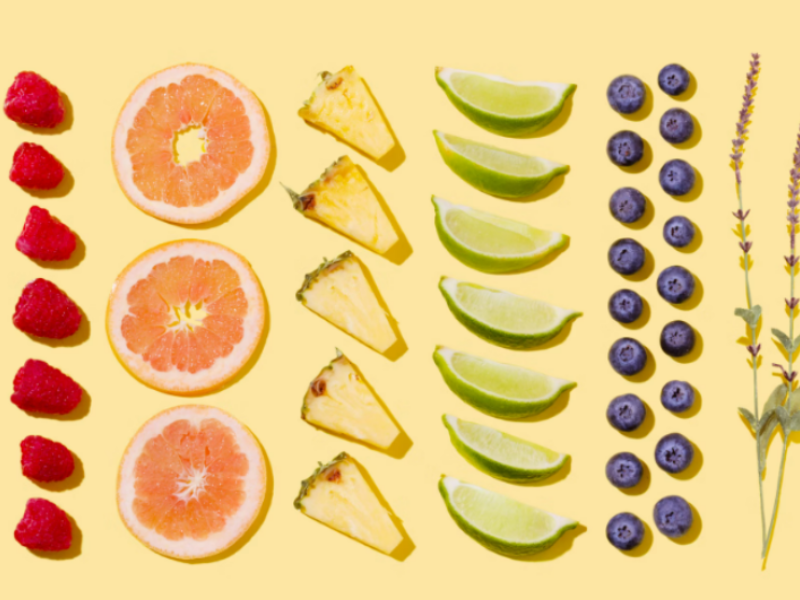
(626, 412)
(625, 531)
(676, 126)
(679, 232)
(626, 94)
(677, 339)
(626, 256)
(627, 205)
(675, 284)
(674, 453)
(624, 470)
(625, 306)
(625, 148)
(677, 396)
(677, 177)
(673, 79)
(627, 356)
(673, 516)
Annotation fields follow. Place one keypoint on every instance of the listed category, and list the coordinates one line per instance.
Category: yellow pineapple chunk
(339, 400)
(339, 292)
(337, 495)
(343, 105)
(343, 200)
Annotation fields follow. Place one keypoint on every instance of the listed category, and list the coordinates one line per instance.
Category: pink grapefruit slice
(227, 116)
(191, 482)
(186, 316)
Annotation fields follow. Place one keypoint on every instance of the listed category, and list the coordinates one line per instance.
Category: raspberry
(32, 100)
(43, 310)
(44, 526)
(35, 168)
(38, 387)
(45, 460)
(44, 237)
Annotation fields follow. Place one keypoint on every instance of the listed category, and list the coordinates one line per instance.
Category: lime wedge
(490, 243)
(502, 106)
(501, 455)
(494, 171)
(497, 389)
(504, 318)
(500, 523)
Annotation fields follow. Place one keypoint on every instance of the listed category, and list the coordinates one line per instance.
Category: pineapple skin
(338, 400)
(342, 105)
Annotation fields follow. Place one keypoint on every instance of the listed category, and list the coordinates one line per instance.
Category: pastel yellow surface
(98, 52)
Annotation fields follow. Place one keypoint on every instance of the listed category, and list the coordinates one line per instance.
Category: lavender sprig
(744, 116)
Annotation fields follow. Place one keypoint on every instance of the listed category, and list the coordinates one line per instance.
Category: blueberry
(627, 356)
(625, 148)
(626, 412)
(627, 205)
(626, 256)
(675, 284)
(677, 338)
(677, 177)
(674, 453)
(625, 306)
(624, 470)
(673, 79)
(673, 516)
(677, 396)
(625, 531)
(676, 126)
(678, 232)
(626, 94)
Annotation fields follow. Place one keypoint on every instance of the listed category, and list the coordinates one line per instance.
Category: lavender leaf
(784, 339)
(775, 398)
(749, 418)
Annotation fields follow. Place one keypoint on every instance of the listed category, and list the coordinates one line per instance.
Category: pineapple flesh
(337, 495)
(342, 105)
(339, 292)
(339, 400)
(343, 200)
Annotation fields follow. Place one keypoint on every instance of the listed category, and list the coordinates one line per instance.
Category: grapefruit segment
(186, 316)
(191, 482)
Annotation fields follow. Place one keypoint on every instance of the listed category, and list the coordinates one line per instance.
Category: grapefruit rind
(255, 485)
(245, 182)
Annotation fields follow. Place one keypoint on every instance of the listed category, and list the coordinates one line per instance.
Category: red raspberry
(43, 310)
(45, 460)
(35, 168)
(44, 526)
(32, 100)
(38, 387)
(44, 237)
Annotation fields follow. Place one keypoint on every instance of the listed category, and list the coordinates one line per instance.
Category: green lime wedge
(500, 523)
(502, 106)
(504, 318)
(501, 455)
(494, 171)
(497, 389)
(490, 243)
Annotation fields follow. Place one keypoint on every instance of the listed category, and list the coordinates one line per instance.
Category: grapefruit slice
(186, 316)
(227, 116)
(191, 482)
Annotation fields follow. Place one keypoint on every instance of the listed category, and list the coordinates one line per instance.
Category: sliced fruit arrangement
(495, 171)
(502, 106)
(339, 292)
(500, 523)
(501, 455)
(343, 199)
(497, 389)
(338, 495)
(191, 482)
(490, 243)
(186, 316)
(504, 318)
(340, 401)
(342, 105)
(227, 116)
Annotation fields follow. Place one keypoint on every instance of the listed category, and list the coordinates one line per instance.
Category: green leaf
(793, 404)
(776, 397)
(765, 428)
(750, 418)
(794, 423)
(784, 339)
(750, 316)
(797, 342)
(783, 417)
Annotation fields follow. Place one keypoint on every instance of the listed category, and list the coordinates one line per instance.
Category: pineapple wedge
(343, 200)
(339, 292)
(339, 400)
(337, 495)
(343, 105)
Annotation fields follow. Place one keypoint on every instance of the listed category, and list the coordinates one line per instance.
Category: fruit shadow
(643, 485)
(697, 135)
(542, 263)
(694, 531)
(646, 160)
(69, 483)
(696, 352)
(551, 411)
(254, 527)
(644, 547)
(695, 192)
(696, 297)
(259, 188)
(74, 550)
(646, 108)
(554, 125)
(696, 242)
(643, 319)
(561, 547)
(647, 268)
(556, 477)
(694, 468)
(73, 261)
(61, 190)
(646, 218)
(76, 339)
(694, 408)
(402, 249)
(555, 184)
(79, 412)
(691, 90)
(557, 340)
(65, 125)
(647, 372)
(646, 426)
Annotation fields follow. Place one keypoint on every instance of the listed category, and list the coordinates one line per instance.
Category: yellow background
(98, 52)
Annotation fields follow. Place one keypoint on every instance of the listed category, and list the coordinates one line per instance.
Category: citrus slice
(500, 523)
(497, 389)
(502, 106)
(191, 482)
(186, 316)
(495, 171)
(490, 243)
(226, 115)
(504, 318)
(501, 455)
